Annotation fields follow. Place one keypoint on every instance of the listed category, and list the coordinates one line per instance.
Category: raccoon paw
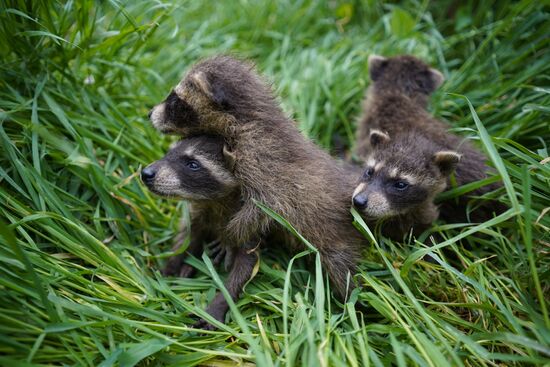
(217, 309)
(217, 252)
(177, 268)
(204, 325)
(173, 266)
(186, 271)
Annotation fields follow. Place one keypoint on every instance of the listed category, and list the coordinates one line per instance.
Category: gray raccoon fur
(396, 108)
(274, 163)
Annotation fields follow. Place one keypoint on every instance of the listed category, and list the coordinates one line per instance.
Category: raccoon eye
(193, 165)
(368, 172)
(400, 185)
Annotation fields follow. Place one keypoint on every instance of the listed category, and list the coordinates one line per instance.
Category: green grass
(82, 240)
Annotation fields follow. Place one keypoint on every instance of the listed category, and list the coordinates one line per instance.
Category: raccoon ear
(376, 66)
(211, 89)
(378, 137)
(446, 160)
(436, 77)
(229, 157)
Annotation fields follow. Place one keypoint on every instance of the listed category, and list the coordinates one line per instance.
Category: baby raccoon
(398, 133)
(397, 98)
(400, 181)
(198, 169)
(275, 164)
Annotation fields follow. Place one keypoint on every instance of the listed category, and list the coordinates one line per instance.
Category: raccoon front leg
(338, 264)
(241, 271)
(250, 221)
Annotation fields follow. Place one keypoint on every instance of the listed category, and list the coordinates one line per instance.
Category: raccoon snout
(148, 174)
(149, 114)
(360, 201)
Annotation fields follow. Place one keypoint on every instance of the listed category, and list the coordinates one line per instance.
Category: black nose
(360, 201)
(149, 114)
(147, 174)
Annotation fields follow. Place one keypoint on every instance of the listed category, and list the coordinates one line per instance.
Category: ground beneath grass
(82, 240)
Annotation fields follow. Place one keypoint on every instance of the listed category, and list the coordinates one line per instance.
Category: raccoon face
(385, 192)
(401, 176)
(173, 113)
(407, 73)
(197, 168)
(209, 98)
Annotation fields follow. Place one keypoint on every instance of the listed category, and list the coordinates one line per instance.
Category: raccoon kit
(274, 163)
(401, 179)
(409, 155)
(198, 169)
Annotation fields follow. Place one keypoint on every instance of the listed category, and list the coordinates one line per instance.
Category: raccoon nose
(360, 201)
(149, 114)
(147, 174)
